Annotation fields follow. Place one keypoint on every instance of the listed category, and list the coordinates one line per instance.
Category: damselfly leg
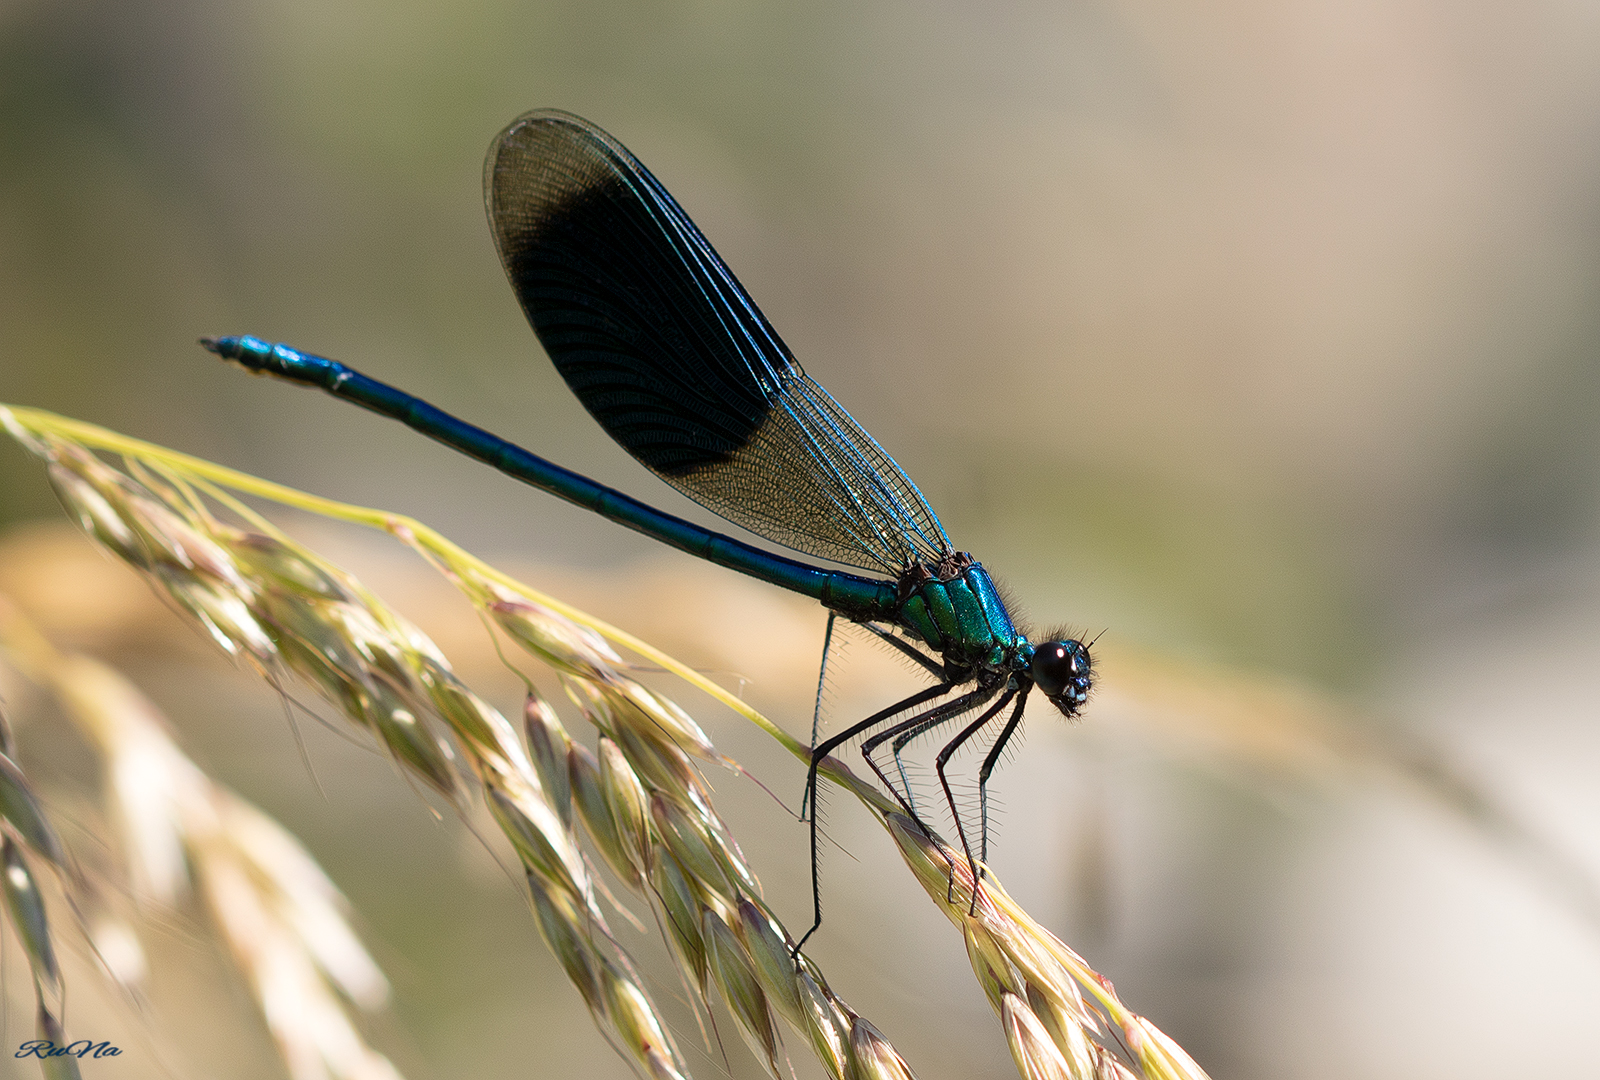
(983, 776)
(903, 733)
(816, 711)
(989, 762)
(818, 753)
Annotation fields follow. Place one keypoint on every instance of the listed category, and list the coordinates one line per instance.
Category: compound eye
(1057, 665)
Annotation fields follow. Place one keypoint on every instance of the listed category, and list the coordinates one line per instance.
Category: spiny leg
(902, 735)
(816, 712)
(944, 781)
(906, 647)
(921, 697)
(905, 733)
(988, 767)
(928, 662)
(822, 676)
(820, 752)
(915, 726)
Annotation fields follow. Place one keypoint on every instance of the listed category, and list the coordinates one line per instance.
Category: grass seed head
(282, 919)
(259, 597)
(828, 1026)
(680, 912)
(1035, 1053)
(548, 743)
(875, 1059)
(32, 925)
(735, 976)
(643, 803)
(635, 1022)
(771, 954)
(686, 839)
(629, 805)
(588, 796)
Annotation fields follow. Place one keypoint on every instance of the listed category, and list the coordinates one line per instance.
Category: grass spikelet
(875, 1058)
(1157, 1052)
(561, 923)
(558, 643)
(544, 853)
(32, 925)
(1032, 1047)
(734, 972)
(691, 845)
(663, 766)
(629, 806)
(680, 910)
(589, 797)
(22, 813)
(548, 745)
(635, 1022)
(1066, 1028)
(827, 1025)
(771, 960)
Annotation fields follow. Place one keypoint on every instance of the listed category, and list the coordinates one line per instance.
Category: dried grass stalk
(21, 816)
(283, 921)
(640, 799)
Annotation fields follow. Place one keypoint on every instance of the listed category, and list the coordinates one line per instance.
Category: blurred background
(1265, 336)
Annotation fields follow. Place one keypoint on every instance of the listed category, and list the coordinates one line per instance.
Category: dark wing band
(668, 352)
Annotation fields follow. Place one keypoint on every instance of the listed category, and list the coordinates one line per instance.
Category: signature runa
(44, 1048)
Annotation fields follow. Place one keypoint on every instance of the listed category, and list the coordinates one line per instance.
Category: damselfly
(668, 352)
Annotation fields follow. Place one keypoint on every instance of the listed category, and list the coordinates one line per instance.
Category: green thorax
(956, 610)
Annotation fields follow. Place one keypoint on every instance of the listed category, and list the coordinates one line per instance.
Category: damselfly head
(1065, 672)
